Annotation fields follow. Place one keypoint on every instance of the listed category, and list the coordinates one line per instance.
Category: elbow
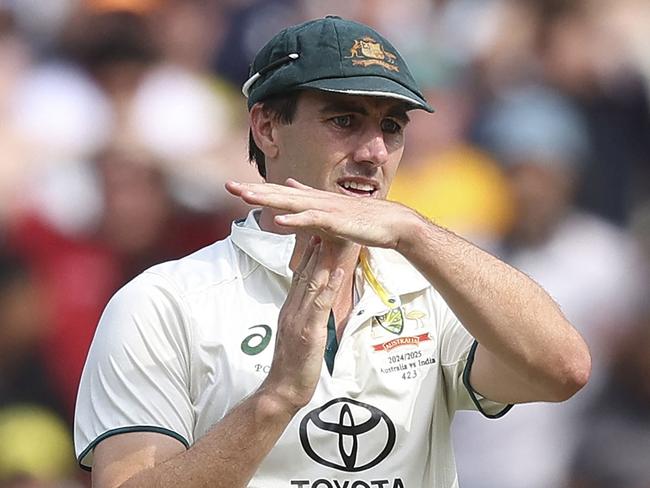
(573, 376)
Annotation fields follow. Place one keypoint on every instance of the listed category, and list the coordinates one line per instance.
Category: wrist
(411, 230)
(274, 404)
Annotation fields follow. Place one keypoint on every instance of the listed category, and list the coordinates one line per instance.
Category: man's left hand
(366, 221)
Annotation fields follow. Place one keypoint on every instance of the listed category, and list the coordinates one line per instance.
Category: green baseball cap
(335, 55)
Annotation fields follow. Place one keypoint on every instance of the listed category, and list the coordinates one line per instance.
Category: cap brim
(374, 86)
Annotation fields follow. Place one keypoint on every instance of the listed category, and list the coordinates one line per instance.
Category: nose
(372, 148)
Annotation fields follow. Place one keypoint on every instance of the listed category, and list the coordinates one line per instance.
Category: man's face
(341, 143)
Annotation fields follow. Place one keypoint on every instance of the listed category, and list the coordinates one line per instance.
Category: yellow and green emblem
(392, 321)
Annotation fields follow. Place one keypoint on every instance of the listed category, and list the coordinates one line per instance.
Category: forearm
(229, 454)
(510, 316)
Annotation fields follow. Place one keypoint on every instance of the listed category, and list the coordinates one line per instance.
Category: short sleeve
(457, 349)
(136, 376)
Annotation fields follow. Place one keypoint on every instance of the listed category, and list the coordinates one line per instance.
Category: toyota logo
(347, 435)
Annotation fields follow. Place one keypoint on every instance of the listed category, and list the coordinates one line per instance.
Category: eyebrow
(337, 106)
(342, 106)
(399, 112)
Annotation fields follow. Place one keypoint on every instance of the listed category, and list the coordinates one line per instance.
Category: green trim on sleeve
(473, 394)
(125, 430)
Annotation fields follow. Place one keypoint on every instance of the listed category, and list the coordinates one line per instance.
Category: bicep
(120, 457)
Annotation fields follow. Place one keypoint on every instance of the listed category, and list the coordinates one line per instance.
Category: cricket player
(329, 340)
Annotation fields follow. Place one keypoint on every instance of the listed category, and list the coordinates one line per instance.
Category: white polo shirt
(186, 341)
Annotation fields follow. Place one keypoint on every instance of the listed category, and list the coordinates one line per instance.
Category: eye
(390, 126)
(342, 121)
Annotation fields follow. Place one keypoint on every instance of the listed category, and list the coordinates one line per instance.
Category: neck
(267, 222)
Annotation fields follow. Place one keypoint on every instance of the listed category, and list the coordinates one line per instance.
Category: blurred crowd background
(120, 120)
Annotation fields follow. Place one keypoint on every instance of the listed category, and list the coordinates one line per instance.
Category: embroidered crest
(367, 52)
(392, 321)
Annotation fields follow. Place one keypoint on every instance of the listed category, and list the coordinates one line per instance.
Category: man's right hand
(302, 328)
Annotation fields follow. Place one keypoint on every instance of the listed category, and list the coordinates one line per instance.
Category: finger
(320, 223)
(325, 265)
(292, 189)
(246, 190)
(333, 250)
(311, 192)
(307, 257)
(304, 259)
(292, 183)
(311, 218)
(282, 200)
(234, 187)
(324, 301)
(301, 279)
(237, 187)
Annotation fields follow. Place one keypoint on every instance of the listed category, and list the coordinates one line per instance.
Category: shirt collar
(273, 251)
(395, 273)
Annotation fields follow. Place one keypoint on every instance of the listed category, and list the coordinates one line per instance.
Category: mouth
(358, 187)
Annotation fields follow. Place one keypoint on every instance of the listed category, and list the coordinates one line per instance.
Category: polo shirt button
(360, 312)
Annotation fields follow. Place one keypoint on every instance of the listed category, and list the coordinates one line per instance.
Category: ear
(263, 129)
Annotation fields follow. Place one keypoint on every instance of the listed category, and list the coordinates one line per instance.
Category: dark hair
(282, 108)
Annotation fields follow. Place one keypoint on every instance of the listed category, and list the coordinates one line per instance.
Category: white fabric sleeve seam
(186, 317)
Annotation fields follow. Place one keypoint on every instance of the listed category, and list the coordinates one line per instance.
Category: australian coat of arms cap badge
(367, 52)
